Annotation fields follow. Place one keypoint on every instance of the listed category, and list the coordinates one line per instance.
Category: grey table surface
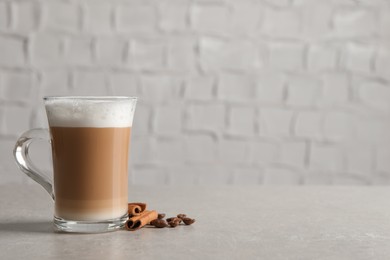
(232, 223)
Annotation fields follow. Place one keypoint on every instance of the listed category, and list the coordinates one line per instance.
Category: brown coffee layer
(90, 169)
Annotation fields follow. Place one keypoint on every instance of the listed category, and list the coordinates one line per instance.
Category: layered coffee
(90, 143)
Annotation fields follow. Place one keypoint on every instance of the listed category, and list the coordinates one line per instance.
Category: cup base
(70, 226)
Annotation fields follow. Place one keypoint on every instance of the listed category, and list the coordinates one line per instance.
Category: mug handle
(21, 154)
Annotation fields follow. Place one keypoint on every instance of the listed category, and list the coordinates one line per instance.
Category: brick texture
(287, 92)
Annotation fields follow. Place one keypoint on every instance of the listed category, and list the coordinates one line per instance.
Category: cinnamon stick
(141, 220)
(136, 208)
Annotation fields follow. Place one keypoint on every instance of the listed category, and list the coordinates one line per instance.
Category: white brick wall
(231, 92)
(12, 51)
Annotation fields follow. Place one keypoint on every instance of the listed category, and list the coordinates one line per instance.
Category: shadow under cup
(90, 139)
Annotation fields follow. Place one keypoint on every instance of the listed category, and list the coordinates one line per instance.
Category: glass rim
(92, 98)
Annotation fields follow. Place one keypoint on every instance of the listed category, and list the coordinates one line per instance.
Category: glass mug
(90, 140)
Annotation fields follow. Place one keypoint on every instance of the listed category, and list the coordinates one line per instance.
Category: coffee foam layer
(90, 112)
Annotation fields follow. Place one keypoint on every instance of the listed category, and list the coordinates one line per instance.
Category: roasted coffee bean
(174, 219)
(159, 223)
(181, 216)
(188, 221)
(174, 223)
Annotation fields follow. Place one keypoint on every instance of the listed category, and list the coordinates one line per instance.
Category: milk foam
(90, 112)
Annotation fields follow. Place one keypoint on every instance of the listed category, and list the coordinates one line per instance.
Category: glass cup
(90, 140)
